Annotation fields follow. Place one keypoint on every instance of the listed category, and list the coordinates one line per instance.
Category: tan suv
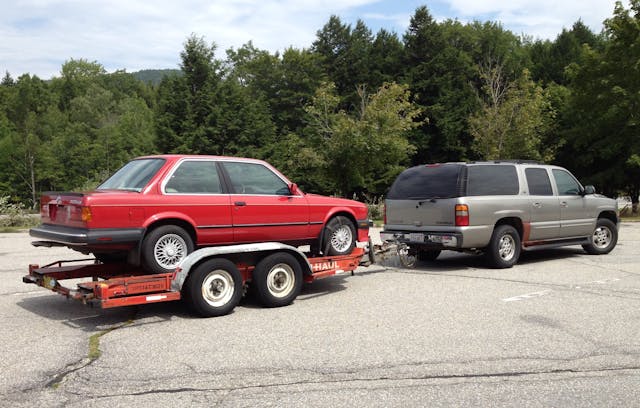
(497, 208)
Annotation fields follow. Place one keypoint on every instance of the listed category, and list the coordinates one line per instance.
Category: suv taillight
(384, 214)
(462, 215)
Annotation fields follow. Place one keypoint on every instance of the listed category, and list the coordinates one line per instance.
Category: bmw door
(263, 207)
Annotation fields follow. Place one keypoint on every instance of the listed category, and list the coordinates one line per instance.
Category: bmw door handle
(240, 203)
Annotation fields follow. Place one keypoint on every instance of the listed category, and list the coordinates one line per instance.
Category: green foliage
(578, 107)
(378, 130)
(514, 120)
(14, 215)
(603, 137)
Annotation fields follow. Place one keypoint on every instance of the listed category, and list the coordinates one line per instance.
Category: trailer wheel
(214, 288)
(277, 279)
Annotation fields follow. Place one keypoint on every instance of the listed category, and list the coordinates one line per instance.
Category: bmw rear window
(427, 181)
(133, 176)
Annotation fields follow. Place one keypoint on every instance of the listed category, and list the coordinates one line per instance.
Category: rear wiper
(432, 199)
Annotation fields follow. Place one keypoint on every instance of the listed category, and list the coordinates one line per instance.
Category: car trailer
(211, 280)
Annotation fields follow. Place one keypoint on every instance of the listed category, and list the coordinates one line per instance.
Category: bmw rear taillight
(86, 214)
(462, 215)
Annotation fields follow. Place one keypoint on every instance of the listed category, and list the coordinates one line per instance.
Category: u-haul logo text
(323, 266)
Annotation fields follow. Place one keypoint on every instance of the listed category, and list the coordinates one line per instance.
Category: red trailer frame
(115, 285)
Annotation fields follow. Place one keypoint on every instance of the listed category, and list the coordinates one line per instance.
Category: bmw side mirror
(294, 189)
(589, 190)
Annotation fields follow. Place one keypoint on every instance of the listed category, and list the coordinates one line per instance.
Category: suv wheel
(603, 239)
(504, 249)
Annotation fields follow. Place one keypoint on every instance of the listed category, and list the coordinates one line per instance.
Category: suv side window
(254, 178)
(492, 180)
(567, 185)
(194, 177)
(538, 181)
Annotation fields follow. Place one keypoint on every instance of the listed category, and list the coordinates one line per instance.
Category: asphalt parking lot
(561, 328)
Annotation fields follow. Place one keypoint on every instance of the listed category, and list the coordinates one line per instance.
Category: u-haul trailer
(210, 280)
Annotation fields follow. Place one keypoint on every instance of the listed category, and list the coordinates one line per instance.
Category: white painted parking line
(599, 282)
(527, 296)
(602, 282)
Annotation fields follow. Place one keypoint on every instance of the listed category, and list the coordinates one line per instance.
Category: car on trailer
(156, 210)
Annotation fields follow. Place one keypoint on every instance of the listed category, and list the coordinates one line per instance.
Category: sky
(38, 36)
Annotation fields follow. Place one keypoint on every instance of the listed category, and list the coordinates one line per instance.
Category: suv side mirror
(589, 190)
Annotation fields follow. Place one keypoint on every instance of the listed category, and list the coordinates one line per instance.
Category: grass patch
(630, 218)
(94, 341)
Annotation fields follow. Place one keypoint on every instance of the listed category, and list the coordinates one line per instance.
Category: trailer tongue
(211, 280)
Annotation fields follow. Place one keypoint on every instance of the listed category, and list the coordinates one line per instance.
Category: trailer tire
(277, 279)
(213, 288)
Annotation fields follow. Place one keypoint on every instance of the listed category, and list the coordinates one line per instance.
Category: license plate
(416, 237)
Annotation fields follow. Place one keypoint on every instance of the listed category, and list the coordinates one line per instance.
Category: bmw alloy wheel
(169, 250)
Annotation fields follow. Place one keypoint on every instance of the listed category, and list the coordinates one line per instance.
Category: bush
(14, 214)
(376, 207)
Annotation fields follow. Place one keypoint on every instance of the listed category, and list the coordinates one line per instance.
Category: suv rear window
(430, 181)
(492, 180)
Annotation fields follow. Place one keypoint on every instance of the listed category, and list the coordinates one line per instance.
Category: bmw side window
(194, 177)
(538, 181)
(253, 178)
(567, 185)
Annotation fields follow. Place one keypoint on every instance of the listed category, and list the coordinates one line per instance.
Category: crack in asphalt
(92, 356)
(508, 375)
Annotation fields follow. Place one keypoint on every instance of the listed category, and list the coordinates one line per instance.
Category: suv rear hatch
(423, 198)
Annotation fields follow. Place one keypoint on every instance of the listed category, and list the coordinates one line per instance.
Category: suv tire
(603, 239)
(504, 248)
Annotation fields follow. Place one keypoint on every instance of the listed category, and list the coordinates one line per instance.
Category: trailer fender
(183, 269)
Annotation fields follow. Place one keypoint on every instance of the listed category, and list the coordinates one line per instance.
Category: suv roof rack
(515, 161)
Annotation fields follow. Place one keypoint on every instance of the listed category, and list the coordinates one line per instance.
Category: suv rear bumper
(435, 239)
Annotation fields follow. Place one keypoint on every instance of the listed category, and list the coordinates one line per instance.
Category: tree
(550, 59)
(378, 130)
(440, 74)
(210, 111)
(514, 120)
(605, 106)
(22, 141)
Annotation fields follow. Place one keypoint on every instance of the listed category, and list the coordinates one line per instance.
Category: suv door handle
(537, 205)
(563, 204)
(240, 203)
